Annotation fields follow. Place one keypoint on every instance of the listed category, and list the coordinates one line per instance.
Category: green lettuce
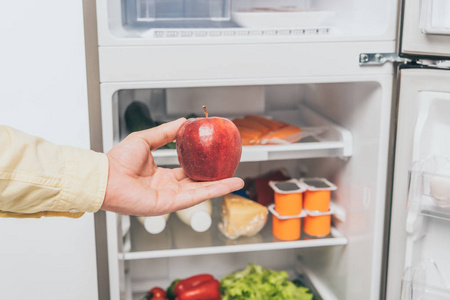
(257, 283)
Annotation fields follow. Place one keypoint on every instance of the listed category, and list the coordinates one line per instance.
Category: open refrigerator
(330, 68)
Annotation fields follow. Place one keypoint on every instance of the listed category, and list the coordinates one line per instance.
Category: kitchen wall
(43, 92)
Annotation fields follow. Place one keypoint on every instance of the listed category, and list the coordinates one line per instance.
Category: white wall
(43, 92)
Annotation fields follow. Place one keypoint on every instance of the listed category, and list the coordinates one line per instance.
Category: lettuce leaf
(257, 283)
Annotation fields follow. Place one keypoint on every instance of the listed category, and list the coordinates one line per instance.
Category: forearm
(43, 179)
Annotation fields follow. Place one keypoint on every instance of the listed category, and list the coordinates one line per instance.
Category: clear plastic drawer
(181, 10)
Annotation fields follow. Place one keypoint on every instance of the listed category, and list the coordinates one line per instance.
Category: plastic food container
(288, 196)
(317, 224)
(318, 194)
(286, 228)
(287, 210)
(317, 204)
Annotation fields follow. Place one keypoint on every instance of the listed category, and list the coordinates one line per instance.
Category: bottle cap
(201, 221)
(155, 224)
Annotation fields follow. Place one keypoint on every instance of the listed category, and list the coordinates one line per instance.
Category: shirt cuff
(5, 214)
(84, 181)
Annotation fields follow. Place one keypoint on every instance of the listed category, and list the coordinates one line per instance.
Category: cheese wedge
(241, 216)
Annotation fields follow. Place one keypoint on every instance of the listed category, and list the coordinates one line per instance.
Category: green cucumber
(137, 117)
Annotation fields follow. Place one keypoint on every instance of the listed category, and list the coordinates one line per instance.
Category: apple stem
(206, 112)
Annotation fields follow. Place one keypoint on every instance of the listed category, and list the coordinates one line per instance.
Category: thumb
(162, 134)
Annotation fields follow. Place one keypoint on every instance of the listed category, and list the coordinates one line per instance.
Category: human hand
(137, 186)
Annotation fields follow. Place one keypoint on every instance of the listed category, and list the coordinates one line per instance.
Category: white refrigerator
(316, 64)
(371, 75)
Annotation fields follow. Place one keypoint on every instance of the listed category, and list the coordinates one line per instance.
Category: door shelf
(180, 240)
(429, 187)
(326, 139)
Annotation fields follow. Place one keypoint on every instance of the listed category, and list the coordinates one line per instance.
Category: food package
(241, 216)
(257, 130)
(258, 188)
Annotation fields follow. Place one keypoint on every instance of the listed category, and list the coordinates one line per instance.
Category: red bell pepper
(207, 290)
(190, 282)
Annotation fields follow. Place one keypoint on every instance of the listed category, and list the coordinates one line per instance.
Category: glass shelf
(179, 239)
(331, 140)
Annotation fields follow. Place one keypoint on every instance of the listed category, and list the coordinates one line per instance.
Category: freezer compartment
(320, 136)
(219, 20)
(213, 18)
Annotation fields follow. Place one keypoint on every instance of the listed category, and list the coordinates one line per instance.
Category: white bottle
(154, 224)
(197, 216)
(126, 236)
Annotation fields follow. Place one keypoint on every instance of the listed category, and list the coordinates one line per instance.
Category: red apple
(209, 148)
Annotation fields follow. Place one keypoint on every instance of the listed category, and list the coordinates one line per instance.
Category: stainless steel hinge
(440, 64)
(378, 59)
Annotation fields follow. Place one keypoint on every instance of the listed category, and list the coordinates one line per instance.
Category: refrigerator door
(426, 28)
(418, 261)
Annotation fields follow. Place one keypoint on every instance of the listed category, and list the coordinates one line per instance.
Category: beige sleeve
(38, 178)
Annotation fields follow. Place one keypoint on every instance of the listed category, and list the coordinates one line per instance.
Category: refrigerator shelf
(326, 139)
(272, 152)
(179, 240)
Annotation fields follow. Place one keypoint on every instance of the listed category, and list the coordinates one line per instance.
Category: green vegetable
(171, 145)
(137, 117)
(191, 115)
(257, 283)
(171, 290)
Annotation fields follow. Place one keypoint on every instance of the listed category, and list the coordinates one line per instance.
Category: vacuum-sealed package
(258, 130)
(241, 216)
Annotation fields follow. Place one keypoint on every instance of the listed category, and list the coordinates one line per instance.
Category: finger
(162, 134)
(207, 190)
(234, 183)
(231, 184)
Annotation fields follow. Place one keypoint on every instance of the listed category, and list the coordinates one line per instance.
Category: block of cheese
(241, 216)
